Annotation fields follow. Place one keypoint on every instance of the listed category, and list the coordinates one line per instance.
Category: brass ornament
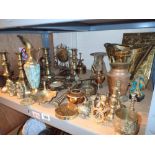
(75, 96)
(66, 111)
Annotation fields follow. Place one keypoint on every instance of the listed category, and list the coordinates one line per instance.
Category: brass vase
(118, 72)
(119, 57)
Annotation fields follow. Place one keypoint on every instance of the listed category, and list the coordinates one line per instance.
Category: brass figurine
(100, 109)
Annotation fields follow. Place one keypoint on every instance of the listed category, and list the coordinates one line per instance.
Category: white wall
(89, 42)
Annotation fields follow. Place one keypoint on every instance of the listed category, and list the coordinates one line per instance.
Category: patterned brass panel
(145, 41)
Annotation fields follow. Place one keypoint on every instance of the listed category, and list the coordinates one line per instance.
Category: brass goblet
(99, 79)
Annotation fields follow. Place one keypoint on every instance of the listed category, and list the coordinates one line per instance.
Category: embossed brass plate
(66, 111)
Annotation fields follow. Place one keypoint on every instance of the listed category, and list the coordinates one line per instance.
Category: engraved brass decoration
(146, 41)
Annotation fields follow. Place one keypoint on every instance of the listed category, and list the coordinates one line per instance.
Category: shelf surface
(77, 126)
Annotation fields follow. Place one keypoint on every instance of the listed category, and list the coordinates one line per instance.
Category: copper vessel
(76, 96)
(120, 57)
(119, 72)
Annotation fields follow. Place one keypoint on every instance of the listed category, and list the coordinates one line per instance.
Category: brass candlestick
(73, 64)
(21, 86)
(9, 86)
(6, 73)
(48, 74)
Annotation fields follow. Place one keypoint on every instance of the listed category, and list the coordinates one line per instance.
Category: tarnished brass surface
(126, 122)
(66, 111)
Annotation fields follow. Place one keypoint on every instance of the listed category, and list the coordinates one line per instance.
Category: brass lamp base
(66, 111)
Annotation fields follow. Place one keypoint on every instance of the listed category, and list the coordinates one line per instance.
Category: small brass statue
(100, 109)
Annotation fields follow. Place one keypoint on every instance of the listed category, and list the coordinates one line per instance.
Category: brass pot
(76, 96)
(118, 72)
(126, 122)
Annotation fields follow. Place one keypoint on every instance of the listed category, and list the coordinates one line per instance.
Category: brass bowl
(76, 96)
(126, 122)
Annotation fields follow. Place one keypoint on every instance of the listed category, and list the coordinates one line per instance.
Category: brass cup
(126, 122)
(76, 96)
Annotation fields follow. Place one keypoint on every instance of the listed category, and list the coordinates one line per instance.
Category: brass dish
(56, 84)
(66, 111)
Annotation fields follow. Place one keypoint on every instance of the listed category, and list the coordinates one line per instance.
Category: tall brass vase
(119, 57)
(119, 71)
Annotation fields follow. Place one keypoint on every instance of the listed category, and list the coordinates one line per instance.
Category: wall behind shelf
(88, 42)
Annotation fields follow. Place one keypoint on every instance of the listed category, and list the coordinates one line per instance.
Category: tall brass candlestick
(9, 86)
(5, 65)
(21, 86)
(48, 74)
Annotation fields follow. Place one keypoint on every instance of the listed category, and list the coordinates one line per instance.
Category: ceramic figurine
(136, 87)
